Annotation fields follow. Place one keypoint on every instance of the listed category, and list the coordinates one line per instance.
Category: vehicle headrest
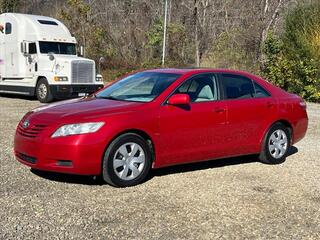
(206, 92)
(246, 89)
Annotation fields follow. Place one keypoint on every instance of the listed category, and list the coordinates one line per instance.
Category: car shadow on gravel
(68, 178)
(211, 164)
(97, 180)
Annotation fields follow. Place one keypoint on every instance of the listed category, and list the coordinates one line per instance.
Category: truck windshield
(57, 48)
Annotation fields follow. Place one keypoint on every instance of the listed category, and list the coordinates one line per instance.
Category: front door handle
(219, 110)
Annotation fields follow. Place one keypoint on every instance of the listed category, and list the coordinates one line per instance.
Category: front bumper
(74, 154)
(71, 91)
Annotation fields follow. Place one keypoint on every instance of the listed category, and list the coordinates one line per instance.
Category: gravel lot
(224, 199)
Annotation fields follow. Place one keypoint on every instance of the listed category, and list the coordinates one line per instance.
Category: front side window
(8, 29)
(237, 87)
(57, 48)
(139, 87)
(200, 88)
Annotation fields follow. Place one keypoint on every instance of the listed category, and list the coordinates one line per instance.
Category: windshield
(139, 87)
(57, 48)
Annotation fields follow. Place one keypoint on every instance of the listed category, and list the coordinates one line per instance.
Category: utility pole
(164, 32)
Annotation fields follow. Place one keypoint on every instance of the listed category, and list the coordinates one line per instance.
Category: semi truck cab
(38, 57)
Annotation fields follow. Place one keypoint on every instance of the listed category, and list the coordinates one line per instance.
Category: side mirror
(51, 56)
(24, 48)
(179, 99)
(102, 60)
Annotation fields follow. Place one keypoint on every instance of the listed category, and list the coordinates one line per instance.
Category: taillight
(303, 104)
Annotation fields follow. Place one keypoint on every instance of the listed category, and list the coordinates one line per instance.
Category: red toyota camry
(162, 117)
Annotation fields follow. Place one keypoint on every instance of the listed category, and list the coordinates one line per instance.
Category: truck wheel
(43, 91)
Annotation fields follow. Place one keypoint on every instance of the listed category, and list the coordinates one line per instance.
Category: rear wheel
(43, 92)
(276, 144)
(127, 161)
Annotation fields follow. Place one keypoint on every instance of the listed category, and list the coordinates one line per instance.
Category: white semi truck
(38, 57)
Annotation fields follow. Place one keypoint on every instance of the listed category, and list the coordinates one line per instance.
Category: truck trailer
(38, 57)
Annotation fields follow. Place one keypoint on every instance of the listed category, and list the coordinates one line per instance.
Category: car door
(11, 49)
(32, 61)
(194, 132)
(250, 109)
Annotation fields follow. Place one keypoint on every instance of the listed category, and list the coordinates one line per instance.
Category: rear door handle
(270, 104)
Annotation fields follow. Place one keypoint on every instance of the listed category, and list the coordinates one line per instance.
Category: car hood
(85, 108)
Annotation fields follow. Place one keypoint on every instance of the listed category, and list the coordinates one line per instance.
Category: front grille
(82, 72)
(31, 131)
(26, 158)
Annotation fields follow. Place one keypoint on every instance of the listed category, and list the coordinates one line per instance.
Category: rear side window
(260, 92)
(237, 87)
(200, 88)
(8, 28)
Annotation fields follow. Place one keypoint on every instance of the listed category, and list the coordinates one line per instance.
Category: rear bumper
(299, 129)
(71, 91)
(73, 155)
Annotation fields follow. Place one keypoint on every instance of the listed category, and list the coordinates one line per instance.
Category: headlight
(77, 128)
(99, 78)
(58, 79)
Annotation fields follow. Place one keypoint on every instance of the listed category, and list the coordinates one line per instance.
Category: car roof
(184, 71)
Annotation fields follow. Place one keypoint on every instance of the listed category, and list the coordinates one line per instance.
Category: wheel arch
(139, 132)
(284, 122)
(288, 125)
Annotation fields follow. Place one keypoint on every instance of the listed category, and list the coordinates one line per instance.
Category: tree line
(279, 39)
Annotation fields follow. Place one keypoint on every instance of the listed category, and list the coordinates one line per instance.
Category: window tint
(32, 48)
(8, 28)
(200, 88)
(237, 87)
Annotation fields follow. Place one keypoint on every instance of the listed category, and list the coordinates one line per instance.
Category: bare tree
(125, 24)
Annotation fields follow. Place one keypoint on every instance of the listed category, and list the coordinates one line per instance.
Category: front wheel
(43, 92)
(276, 144)
(127, 161)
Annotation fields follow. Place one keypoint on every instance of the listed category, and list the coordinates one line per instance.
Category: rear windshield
(57, 48)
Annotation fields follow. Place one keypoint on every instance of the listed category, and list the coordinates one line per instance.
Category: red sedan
(162, 117)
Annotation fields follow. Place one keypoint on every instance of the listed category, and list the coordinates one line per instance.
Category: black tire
(108, 173)
(41, 96)
(266, 155)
